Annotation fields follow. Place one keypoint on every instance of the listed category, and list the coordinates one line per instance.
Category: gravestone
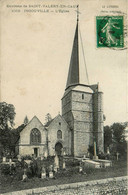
(51, 168)
(80, 169)
(88, 154)
(4, 159)
(56, 163)
(51, 171)
(43, 173)
(55, 169)
(51, 174)
(10, 160)
(64, 166)
(24, 177)
(45, 154)
(41, 158)
(19, 158)
(108, 152)
(10, 164)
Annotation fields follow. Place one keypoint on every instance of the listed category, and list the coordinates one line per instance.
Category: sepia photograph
(63, 97)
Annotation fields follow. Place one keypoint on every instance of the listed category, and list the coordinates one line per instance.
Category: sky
(36, 50)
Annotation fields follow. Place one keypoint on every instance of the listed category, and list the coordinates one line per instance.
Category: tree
(26, 120)
(119, 137)
(7, 115)
(14, 137)
(48, 117)
(118, 132)
(114, 138)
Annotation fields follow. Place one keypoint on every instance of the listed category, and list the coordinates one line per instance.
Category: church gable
(33, 139)
(58, 132)
(58, 119)
(34, 132)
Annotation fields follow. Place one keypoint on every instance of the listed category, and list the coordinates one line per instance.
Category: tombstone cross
(117, 155)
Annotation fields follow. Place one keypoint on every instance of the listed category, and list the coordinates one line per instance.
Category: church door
(58, 148)
(36, 152)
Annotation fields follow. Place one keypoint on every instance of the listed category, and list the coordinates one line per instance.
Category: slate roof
(77, 70)
(49, 122)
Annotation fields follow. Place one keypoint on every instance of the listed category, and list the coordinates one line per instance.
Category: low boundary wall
(65, 187)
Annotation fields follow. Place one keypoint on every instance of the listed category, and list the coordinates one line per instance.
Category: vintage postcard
(63, 96)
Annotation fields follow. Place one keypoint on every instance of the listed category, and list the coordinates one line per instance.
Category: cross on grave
(80, 168)
(117, 155)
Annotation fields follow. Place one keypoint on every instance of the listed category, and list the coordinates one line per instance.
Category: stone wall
(77, 109)
(83, 111)
(98, 120)
(82, 140)
(83, 119)
(59, 124)
(25, 147)
(29, 149)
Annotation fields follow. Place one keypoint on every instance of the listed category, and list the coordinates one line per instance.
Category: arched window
(59, 134)
(35, 136)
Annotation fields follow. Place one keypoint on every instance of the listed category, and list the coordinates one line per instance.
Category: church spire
(73, 74)
(77, 70)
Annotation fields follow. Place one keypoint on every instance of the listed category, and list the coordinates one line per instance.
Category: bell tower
(81, 102)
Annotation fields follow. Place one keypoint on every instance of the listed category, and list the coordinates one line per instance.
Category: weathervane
(77, 13)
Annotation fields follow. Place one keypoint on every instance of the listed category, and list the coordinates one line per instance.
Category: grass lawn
(11, 183)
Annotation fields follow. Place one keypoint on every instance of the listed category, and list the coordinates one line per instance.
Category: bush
(105, 156)
(33, 168)
(5, 169)
(72, 163)
(27, 157)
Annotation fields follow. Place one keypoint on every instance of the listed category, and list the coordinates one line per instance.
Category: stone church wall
(25, 147)
(83, 119)
(29, 150)
(98, 120)
(77, 109)
(77, 96)
(59, 124)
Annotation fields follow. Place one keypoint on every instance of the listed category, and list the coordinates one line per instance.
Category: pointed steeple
(73, 75)
(77, 70)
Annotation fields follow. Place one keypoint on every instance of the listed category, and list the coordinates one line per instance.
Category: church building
(81, 122)
(82, 105)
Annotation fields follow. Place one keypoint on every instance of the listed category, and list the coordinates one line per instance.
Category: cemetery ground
(13, 182)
